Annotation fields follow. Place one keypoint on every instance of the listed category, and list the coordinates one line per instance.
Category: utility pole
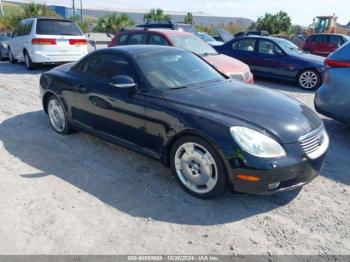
(74, 9)
(1, 8)
(3, 15)
(81, 10)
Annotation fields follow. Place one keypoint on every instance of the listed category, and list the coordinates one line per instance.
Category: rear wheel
(198, 167)
(57, 116)
(28, 61)
(12, 59)
(309, 79)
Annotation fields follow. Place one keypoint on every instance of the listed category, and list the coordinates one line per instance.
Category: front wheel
(309, 79)
(198, 167)
(57, 116)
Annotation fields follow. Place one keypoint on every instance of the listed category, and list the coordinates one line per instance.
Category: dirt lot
(80, 195)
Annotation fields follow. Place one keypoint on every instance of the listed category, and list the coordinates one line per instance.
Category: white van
(46, 40)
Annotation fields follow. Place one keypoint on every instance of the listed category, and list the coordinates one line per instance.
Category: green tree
(32, 9)
(113, 23)
(189, 19)
(5, 24)
(274, 24)
(156, 15)
(83, 26)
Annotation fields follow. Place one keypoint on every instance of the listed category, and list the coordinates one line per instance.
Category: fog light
(273, 186)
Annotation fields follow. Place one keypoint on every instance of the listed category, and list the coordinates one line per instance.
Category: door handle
(81, 88)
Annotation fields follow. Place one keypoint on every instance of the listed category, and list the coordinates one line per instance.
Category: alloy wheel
(308, 80)
(56, 115)
(196, 168)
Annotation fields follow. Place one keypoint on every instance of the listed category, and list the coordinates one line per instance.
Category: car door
(115, 112)
(15, 40)
(244, 50)
(271, 60)
(321, 45)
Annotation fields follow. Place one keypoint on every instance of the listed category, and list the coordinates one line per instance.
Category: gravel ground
(80, 195)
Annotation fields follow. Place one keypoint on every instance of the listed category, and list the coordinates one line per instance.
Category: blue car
(333, 97)
(276, 58)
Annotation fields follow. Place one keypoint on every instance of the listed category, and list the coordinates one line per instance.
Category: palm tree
(33, 9)
(156, 15)
(189, 19)
(113, 23)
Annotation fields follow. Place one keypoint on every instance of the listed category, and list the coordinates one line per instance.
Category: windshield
(57, 27)
(175, 69)
(192, 43)
(206, 37)
(289, 47)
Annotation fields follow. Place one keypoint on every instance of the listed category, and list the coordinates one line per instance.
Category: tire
(28, 61)
(198, 167)
(57, 116)
(309, 79)
(11, 58)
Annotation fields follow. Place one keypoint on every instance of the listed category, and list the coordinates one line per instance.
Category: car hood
(315, 59)
(226, 65)
(234, 102)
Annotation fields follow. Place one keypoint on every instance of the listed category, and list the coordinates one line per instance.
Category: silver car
(333, 97)
(4, 48)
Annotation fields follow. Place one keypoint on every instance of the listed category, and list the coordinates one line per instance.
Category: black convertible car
(169, 104)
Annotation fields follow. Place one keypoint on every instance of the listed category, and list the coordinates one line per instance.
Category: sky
(302, 12)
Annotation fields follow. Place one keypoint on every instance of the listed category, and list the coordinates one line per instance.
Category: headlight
(4, 45)
(256, 143)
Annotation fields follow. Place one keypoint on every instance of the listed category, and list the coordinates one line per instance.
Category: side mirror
(123, 81)
(278, 52)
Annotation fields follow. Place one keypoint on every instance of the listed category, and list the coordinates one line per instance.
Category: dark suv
(169, 25)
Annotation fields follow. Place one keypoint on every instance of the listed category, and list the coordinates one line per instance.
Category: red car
(324, 44)
(228, 66)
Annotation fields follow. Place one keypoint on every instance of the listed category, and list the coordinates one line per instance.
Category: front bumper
(290, 178)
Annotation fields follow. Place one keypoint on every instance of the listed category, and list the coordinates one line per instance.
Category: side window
(267, 47)
(107, 66)
(156, 40)
(21, 28)
(15, 31)
(235, 45)
(335, 39)
(247, 45)
(122, 39)
(320, 39)
(311, 39)
(28, 27)
(136, 39)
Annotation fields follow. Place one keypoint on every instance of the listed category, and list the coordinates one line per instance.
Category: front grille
(315, 143)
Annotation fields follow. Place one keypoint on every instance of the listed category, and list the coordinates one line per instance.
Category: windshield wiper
(207, 54)
(178, 87)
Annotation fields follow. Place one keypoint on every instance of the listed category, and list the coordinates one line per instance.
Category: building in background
(65, 12)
